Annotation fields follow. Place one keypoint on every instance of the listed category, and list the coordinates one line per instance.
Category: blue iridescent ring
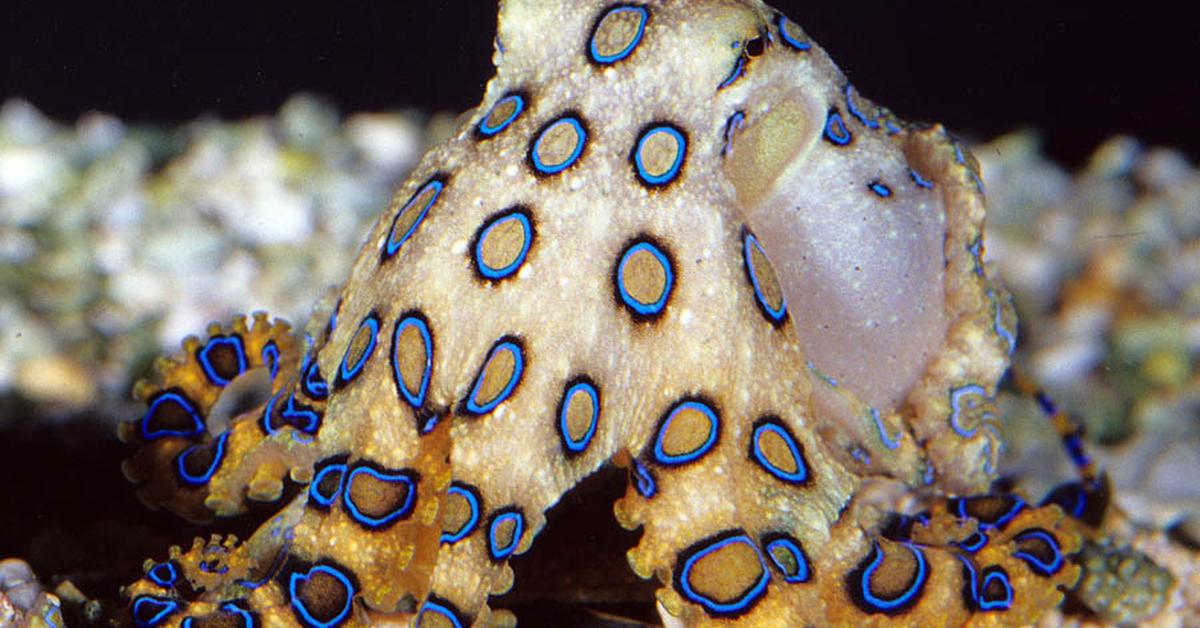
(681, 146)
(638, 12)
(487, 128)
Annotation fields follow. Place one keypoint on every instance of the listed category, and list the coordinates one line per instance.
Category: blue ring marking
(920, 180)
(775, 316)
(158, 608)
(229, 608)
(413, 319)
(903, 600)
(739, 70)
(203, 478)
(960, 402)
(1035, 562)
(595, 55)
(312, 384)
(961, 158)
(315, 496)
(860, 455)
(584, 385)
(486, 131)
(408, 478)
(298, 604)
(714, 422)
(506, 344)
(781, 23)
(973, 543)
(821, 374)
(962, 508)
(890, 442)
(681, 143)
(731, 608)
(333, 318)
(392, 245)
(233, 608)
(790, 545)
(1009, 336)
(644, 482)
(993, 574)
(774, 425)
(880, 189)
(497, 552)
(851, 93)
(470, 494)
(496, 274)
(300, 416)
(970, 589)
(581, 136)
(835, 129)
(276, 564)
(164, 574)
(975, 248)
(347, 372)
(444, 608)
(892, 129)
(639, 308)
(270, 358)
(732, 126)
(929, 473)
(295, 414)
(1075, 449)
(1070, 497)
(171, 396)
(205, 359)
(425, 424)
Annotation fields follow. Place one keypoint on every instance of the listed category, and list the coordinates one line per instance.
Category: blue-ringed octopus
(671, 237)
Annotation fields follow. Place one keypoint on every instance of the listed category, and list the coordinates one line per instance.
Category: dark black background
(1076, 71)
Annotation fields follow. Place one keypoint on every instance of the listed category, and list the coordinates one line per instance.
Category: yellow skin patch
(869, 230)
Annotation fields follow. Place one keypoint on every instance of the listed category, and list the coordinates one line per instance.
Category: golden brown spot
(501, 112)
(580, 411)
(381, 496)
(458, 513)
(644, 277)
(503, 243)
(497, 379)
(765, 279)
(777, 451)
(785, 559)
(658, 152)
(323, 595)
(412, 212)
(897, 573)
(617, 33)
(688, 430)
(728, 573)
(412, 358)
(558, 146)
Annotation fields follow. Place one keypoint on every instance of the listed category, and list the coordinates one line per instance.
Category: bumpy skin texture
(580, 275)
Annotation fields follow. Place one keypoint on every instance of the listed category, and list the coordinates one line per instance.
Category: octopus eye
(755, 47)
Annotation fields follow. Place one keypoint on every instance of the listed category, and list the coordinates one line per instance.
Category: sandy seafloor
(116, 241)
